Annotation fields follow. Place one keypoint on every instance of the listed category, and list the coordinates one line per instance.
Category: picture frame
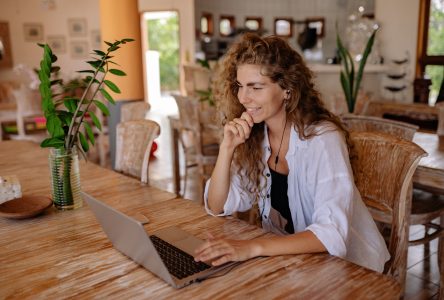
(5, 46)
(96, 39)
(318, 23)
(79, 49)
(206, 24)
(254, 24)
(227, 25)
(33, 32)
(57, 43)
(77, 27)
(283, 27)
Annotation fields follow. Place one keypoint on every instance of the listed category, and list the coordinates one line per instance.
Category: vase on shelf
(65, 178)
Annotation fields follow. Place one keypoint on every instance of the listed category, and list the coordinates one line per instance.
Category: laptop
(167, 253)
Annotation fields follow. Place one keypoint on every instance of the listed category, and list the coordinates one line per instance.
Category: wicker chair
(383, 166)
(199, 139)
(133, 144)
(368, 123)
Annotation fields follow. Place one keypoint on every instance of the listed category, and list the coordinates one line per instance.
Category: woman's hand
(220, 251)
(237, 131)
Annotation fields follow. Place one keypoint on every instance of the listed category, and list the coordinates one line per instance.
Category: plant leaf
(102, 107)
(117, 72)
(83, 142)
(95, 120)
(86, 71)
(107, 96)
(112, 86)
(347, 90)
(71, 104)
(52, 142)
(54, 126)
(101, 53)
(368, 49)
(89, 132)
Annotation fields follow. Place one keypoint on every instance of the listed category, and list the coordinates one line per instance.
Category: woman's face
(262, 99)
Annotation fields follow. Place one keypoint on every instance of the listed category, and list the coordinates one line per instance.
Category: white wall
(185, 8)
(18, 12)
(398, 34)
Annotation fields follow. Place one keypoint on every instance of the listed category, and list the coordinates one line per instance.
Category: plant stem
(72, 136)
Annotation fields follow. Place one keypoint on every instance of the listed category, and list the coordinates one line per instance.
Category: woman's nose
(242, 95)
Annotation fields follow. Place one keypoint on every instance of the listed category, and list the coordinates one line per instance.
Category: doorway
(161, 30)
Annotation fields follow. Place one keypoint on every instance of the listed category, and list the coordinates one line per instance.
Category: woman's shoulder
(322, 131)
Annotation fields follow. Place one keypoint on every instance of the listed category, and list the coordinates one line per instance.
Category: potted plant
(69, 131)
(351, 81)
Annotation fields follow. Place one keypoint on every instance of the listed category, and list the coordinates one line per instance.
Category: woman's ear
(287, 94)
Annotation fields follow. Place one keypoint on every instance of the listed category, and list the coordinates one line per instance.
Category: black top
(279, 198)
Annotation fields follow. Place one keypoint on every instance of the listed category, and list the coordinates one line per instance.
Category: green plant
(350, 81)
(65, 113)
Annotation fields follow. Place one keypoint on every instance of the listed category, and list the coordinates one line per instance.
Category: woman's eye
(257, 88)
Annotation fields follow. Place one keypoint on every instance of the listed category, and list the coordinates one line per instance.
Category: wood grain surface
(66, 254)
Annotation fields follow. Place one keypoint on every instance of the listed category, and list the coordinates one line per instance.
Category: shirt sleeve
(331, 181)
(237, 200)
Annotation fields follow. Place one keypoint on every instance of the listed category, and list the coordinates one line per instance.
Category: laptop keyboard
(179, 263)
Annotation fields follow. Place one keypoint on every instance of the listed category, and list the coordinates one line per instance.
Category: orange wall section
(120, 19)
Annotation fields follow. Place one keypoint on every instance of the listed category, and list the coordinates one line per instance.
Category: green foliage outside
(436, 44)
(163, 37)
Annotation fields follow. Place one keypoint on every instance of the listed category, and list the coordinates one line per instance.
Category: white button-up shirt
(322, 198)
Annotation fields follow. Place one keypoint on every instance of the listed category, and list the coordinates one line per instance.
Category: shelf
(325, 68)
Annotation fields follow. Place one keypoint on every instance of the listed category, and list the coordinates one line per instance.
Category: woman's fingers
(247, 118)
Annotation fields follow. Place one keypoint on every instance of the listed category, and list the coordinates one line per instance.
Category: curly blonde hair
(284, 66)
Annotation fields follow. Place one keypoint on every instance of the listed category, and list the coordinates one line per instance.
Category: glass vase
(65, 178)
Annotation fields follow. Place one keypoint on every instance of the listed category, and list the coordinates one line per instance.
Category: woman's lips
(253, 110)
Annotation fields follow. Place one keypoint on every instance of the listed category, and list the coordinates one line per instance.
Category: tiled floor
(423, 274)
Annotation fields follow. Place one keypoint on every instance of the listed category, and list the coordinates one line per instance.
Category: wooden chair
(133, 144)
(197, 78)
(425, 206)
(135, 110)
(199, 138)
(383, 166)
(368, 123)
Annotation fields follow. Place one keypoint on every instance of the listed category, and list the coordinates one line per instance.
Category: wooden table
(66, 254)
(430, 173)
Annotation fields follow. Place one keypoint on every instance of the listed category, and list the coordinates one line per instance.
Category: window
(226, 25)
(206, 24)
(430, 59)
(283, 27)
(253, 23)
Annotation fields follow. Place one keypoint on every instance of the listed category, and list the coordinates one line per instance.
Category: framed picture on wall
(283, 27)
(57, 43)
(33, 32)
(96, 39)
(79, 49)
(226, 25)
(253, 23)
(77, 27)
(206, 23)
(5, 46)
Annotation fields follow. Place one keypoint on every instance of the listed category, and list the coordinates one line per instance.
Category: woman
(283, 150)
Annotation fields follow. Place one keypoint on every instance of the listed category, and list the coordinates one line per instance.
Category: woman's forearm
(301, 242)
(220, 180)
